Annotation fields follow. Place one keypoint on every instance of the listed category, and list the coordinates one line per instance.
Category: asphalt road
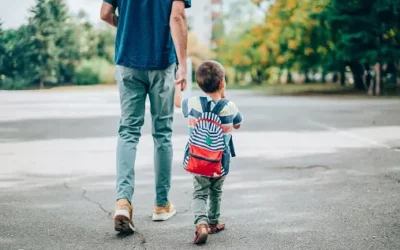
(311, 173)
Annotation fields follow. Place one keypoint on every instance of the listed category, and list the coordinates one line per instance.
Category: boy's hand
(181, 77)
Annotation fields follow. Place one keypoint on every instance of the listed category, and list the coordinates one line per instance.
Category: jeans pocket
(122, 73)
(118, 73)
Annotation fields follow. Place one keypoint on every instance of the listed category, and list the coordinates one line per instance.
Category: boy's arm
(237, 118)
(179, 103)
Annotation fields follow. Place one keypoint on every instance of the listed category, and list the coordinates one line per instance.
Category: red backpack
(206, 153)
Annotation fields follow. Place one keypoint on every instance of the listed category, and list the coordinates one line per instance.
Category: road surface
(311, 173)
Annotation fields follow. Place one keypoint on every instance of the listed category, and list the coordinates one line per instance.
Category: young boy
(211, 121)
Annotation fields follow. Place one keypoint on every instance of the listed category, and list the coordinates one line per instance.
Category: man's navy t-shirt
(143, 35)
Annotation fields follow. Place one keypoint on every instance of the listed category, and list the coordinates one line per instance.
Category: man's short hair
(209, 76)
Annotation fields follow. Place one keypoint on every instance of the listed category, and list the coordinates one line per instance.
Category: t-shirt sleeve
(185, 108)
(188, 3)
(112, 2)
(237, 115)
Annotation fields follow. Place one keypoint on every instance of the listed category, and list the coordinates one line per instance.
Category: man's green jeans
(134, 85)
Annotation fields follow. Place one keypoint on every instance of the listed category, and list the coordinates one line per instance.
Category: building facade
(201, 18)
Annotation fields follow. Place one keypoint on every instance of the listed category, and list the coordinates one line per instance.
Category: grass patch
(297, 89)
(307, 89)
(315, 89)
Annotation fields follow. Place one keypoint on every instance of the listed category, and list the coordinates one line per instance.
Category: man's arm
(179, 32)
(107, 14)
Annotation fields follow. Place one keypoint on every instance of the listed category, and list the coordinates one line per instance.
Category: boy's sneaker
(164, 213)
(123, 217)
(201, 234)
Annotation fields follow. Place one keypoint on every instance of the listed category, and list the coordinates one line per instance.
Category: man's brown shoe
(164, 213)
(201, 234)
(123, 221)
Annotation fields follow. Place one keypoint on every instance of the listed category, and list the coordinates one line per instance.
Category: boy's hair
(209, 76)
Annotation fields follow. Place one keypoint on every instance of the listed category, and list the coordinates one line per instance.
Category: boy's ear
(222, 84)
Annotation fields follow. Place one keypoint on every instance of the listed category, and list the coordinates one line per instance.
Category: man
(151, 35)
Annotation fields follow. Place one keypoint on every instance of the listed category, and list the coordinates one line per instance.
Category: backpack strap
(204, 103)
(220, 106)
(232, 147)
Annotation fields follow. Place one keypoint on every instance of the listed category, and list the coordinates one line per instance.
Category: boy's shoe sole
(164, 216)
(123, 224)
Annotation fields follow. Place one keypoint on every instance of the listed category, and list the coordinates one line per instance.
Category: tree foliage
(49, 49)
(317, 36)
(366, 33)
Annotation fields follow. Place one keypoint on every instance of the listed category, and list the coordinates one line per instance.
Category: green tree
(105, 45)
(66, 45)
(292, 37)
(45, 34)
(297, 33)
(18, 70)
(366, 34)
(70, 54)
(3, 51)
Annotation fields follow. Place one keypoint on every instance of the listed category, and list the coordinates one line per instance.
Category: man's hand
(181, 77)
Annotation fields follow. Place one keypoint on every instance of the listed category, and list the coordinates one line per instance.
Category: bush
(87, 76)
(94, 71)
(14, 83)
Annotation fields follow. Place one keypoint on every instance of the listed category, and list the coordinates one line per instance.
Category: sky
(14, 13)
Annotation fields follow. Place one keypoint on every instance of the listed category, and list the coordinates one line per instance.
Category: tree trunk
(323, 80)
(236, 77)
(357, 70)
(335, 77)
(367, 75)
(312, 78)
(257, 77)
(289, 78)
(371, 88)
(378, 69)
(391, 69)
(280, 76)
(371, 84)
(41, 83)
(342, 76)
(306, 79)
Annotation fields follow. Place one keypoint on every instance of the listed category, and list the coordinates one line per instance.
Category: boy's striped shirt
(230, 115)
